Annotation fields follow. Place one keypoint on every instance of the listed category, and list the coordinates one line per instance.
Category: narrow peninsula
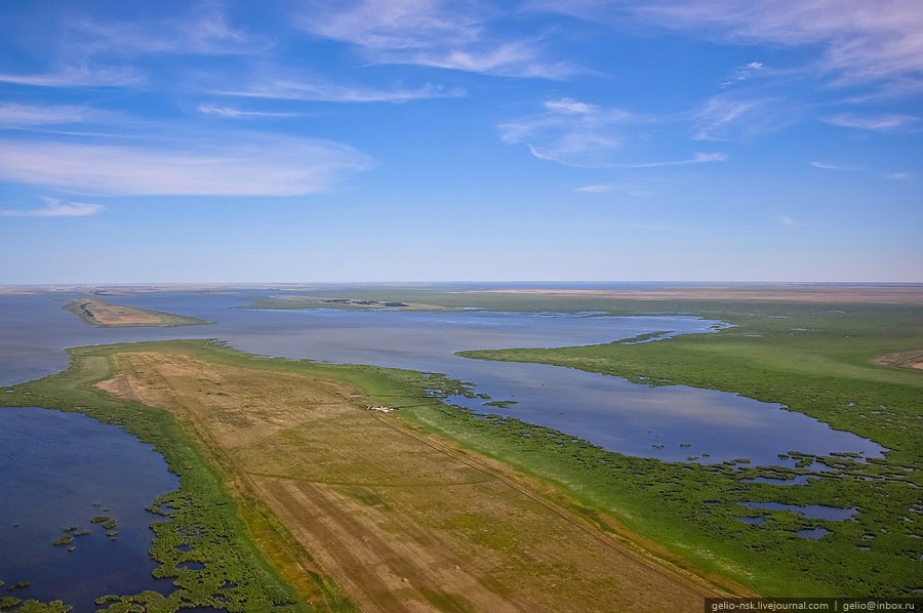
(104, 314)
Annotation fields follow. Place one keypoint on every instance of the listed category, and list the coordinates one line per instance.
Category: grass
(815, 359)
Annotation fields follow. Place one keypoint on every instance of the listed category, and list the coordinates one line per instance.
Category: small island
(99, 313)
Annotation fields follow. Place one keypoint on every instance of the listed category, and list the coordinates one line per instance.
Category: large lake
(671, 423)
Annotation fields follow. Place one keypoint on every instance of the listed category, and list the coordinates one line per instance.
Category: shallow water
(58, 470)
(674, 423)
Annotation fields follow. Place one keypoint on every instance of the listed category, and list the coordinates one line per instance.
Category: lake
(57, 471)
(673, 423)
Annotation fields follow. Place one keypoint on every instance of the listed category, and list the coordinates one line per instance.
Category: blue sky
(427, 140)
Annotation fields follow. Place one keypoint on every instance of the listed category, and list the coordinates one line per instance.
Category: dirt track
(400, 520)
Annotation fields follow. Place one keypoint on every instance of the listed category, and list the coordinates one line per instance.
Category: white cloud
(698, 158)
(396, 24)
(878, 123)
(56, 208)
(571, 132)
(445, 34)
(745, 73)
(292, 88)
(787, 221)
(203, 31)
(899, 176)
(728, 116)
(228, 112)
(232, 165)
(597, 189)
(513, 59)
(858, 41)
(608, 188)
(78, 76)
(23, 115)
(826, 166)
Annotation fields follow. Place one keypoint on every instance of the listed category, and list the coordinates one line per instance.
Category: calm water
(58, 470)
(673, 423)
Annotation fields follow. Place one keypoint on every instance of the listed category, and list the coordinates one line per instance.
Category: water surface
(674, 423)
(58, 470)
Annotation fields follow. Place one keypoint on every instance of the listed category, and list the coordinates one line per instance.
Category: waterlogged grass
(815, 359)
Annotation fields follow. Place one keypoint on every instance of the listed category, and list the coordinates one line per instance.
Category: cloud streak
(571, 132)
(859, 42)
(436, 33)
(56, 208)
(878, 123)
(251, 165)
(698, 158)
(293, 88)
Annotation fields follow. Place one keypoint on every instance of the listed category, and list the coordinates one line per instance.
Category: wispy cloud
(899, 176)
(745, 73)
(453, 35)
(229, 112)
(608, 188)
(222, 165)
(878, 123)
(858, 41)
(78, 76)
(24, 115)
(827, 166)
(203, 30)
(787, 221)
(727, 116)
(571, 132)
(295, 88)
(56, 208)
(698, 158)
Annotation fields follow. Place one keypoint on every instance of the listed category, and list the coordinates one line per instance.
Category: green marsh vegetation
(813, 358)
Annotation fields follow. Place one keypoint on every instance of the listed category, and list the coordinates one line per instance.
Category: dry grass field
(100, 313)
(400, 520)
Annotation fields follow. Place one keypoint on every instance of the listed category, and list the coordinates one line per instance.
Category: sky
(428, 140)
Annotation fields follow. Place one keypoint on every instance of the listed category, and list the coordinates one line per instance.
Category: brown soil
(834, 294)
(904, 359)
(400, 520)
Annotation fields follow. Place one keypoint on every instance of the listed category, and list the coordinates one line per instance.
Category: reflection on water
(671, 423)
(58, 470)
(812, 511)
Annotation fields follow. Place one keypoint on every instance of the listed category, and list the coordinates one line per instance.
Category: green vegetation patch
(814, 359)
